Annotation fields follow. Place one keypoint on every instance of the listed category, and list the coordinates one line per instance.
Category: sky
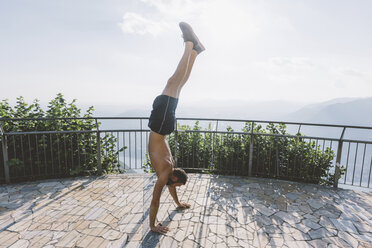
(121, 53)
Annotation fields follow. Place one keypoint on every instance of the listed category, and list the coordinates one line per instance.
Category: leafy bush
(228, 152)
(54, 154)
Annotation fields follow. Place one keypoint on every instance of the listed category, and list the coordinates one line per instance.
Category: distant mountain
(234, 109)
(344, 111)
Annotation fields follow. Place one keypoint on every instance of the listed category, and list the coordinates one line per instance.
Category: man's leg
(182, 73)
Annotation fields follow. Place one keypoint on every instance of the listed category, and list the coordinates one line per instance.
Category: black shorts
(163, 115)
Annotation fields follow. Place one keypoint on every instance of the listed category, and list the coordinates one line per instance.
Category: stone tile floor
(112, 211)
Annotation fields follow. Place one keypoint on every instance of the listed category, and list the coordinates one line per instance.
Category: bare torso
(160, 154)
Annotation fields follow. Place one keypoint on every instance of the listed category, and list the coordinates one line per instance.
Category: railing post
(5, 157)
(338, 159)
(4, 141)
(277, 157)
(99, 149)
(251, 152)
(175, 144)
(214, 138)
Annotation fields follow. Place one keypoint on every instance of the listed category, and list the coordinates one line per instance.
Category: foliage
(61, 151)
(273, 156)
(147, 168)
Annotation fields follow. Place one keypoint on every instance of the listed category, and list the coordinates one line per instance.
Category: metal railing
(55, 153)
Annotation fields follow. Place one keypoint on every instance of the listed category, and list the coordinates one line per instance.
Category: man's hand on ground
(160, 229)
(184, 205)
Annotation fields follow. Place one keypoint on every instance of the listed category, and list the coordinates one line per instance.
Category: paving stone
(299, 236)
(288, 217)
(232, 241)
(39, 241)
(221, 245)
(120, 242)
(112, 235)
(260, 239)
(166, 241)
(190, 243)
(348, 238)
(20, 244)
(264, 210)
(298, 244)
(301, 227)
(276, 242)
(180, 235)
(291, 195)
(326, 213)
(69, 239)
(311, 217)
(311, 224)
(201, 231)
(49, 184)
(85, 241)
(315, 204)
(322, 232)
(94, 224)
(318, 243)
(337, 242)
(242, 243)
(363, 227)
(263, 221)
(32, 234)
(344, 225)
(326, 223)
(95, 213)
(271, 229)
(349, 215)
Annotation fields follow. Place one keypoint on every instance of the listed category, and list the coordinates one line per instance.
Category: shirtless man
(162, 122)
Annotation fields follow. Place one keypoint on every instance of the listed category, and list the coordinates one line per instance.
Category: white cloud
(213, 16)
(177, 8)
(291, 62)
(166, 14)
(350, 72)
(138, 24)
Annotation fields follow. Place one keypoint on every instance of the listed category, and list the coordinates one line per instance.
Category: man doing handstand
(162, 122)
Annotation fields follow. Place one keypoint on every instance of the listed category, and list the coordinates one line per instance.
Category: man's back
(160, 155)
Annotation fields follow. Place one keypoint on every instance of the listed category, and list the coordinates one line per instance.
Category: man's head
(178, 178)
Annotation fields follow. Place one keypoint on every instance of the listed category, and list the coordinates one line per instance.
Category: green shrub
(34, 156)
(228, 152)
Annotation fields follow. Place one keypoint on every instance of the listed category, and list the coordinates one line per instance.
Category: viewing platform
(226, 211)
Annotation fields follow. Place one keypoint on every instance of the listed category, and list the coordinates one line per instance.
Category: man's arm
(173, 192)
(155, 202)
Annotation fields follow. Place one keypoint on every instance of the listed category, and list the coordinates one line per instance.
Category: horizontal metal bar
(72, 118)
(125, 130)
(357, 141)
(186, 131)
(49, 132)
(278, 122)
(80, 131)
(264, 134)
(185, 118)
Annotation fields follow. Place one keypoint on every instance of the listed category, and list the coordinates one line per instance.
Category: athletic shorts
(163, 115)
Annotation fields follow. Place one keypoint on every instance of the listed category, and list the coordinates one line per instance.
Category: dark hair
(181, 175)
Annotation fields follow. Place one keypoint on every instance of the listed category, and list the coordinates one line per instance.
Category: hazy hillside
(265, 110)
(348, 111)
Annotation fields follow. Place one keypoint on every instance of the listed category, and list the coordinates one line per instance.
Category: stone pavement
(112, 211)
